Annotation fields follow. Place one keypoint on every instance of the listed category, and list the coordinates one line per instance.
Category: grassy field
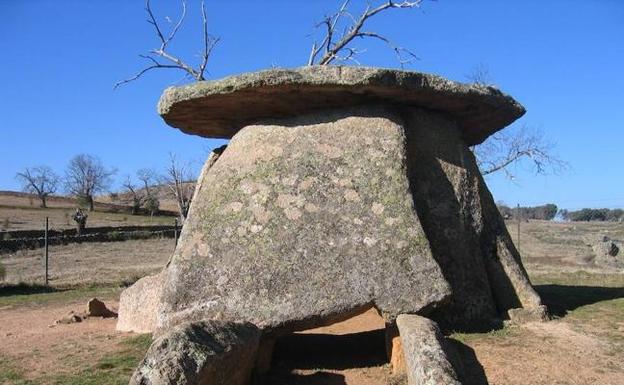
(22, 212)
(555, 247)
(582, 345)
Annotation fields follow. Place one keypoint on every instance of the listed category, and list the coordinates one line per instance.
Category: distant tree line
(587, 215)
(86, 176)
(545, 212)
(550, 211)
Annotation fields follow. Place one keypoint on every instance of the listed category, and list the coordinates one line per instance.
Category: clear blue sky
(564, 60)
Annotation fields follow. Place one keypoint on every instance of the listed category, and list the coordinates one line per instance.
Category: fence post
(175, 231)
(518, 238)
(45, 245)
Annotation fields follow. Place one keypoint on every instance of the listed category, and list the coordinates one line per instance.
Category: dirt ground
(43, 345)
(582, 345)
(351, 352)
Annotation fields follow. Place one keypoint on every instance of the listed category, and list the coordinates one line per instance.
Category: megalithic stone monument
(341, 189)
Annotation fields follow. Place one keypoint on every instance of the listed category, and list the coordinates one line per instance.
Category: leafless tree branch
(480, 76)
(85, 176)
(209, 42)
(41, 181)
(514, 146)
(331, 50)
(180, 182)
(136, 195)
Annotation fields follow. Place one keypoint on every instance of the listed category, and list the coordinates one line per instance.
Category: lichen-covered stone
(425, 352)
(202, 353)
(312, 220)
(138, 305)
(223, 107)
(318, 216)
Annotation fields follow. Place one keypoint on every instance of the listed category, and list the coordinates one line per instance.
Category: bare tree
(41, 181)
(179, 179)
(480, 76)
(148, 176)
(86, 176)
(156, 56)
(335, 44)
(136, 195)
(515, 146)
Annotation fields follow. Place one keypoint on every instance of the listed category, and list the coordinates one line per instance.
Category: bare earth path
(29, 337)
(559, 352)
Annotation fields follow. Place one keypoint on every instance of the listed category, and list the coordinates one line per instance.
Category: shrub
(152, 204)
(83, 201)
(116, 236)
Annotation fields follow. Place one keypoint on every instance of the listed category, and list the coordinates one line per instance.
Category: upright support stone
(394, 349)
(138, 305)
(313, 218)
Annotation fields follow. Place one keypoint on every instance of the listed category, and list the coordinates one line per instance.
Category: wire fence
(98, 255)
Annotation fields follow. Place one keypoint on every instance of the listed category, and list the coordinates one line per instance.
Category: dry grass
(552, 247)
(89, 263)
(21, 212)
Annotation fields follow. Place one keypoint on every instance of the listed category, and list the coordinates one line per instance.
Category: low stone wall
(11, 241)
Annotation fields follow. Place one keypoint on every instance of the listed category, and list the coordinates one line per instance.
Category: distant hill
(162, 192)
(16, 199)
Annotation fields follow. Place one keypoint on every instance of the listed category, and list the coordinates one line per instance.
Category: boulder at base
(203, 353)
(97, 308)
(425, 352)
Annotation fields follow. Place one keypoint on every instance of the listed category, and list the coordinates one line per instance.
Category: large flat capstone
(219, 109)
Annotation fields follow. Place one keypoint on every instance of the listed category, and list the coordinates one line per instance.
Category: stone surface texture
(342, 188)
(394, 349)
(318, 216)
(221, 108)
(312, 220)
(521, 316)
(425, 352)
(467, 235)
(203, 353)
(608, 253)
(138, 305)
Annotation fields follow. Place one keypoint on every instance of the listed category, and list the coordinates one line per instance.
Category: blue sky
(562, 60)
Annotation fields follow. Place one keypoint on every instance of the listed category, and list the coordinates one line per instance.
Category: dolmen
(341, 189)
